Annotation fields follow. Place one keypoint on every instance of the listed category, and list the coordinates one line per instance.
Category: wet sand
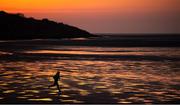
(88, 78)
(27, 82)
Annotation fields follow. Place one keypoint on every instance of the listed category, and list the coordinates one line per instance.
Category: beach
(100, 70)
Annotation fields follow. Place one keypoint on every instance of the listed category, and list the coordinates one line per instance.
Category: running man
(56, 77)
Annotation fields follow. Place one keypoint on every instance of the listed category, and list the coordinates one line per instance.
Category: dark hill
(16, 26)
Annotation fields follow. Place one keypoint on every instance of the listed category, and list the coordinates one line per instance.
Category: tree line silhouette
(17, 26)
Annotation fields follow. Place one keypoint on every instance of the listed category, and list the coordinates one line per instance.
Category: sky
(104, 16)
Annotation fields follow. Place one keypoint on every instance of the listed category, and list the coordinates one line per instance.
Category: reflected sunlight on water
(5, 53)
(107, 51)
(88, 81)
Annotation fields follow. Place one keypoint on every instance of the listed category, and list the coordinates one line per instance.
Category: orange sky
(88, 14)
(81, 5)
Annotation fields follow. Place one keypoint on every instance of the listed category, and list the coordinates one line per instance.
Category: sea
(102, 70)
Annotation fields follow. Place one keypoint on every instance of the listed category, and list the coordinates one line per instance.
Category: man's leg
(52, 85)
(58, 87)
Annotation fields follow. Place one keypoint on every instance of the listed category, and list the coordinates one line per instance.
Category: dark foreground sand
(25, 77)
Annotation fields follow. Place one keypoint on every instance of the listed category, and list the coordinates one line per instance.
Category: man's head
(58, 72)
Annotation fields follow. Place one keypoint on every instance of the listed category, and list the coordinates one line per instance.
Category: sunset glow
(88, 14)
(82, 5)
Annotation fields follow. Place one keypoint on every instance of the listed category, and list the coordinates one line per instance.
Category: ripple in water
(90, 81)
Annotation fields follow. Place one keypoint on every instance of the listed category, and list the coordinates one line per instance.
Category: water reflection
(5, 53)
(87, 81)
(80, 83)
(80, 50)
(41, 99)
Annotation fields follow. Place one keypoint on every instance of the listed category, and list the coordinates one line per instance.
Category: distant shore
(19, 27)
(102, 41)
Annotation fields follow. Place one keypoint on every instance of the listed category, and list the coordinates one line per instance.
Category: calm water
(91, 75)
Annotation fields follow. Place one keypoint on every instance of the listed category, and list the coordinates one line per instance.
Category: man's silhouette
(56, 77)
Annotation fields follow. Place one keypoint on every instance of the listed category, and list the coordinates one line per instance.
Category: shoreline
(102, 41)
